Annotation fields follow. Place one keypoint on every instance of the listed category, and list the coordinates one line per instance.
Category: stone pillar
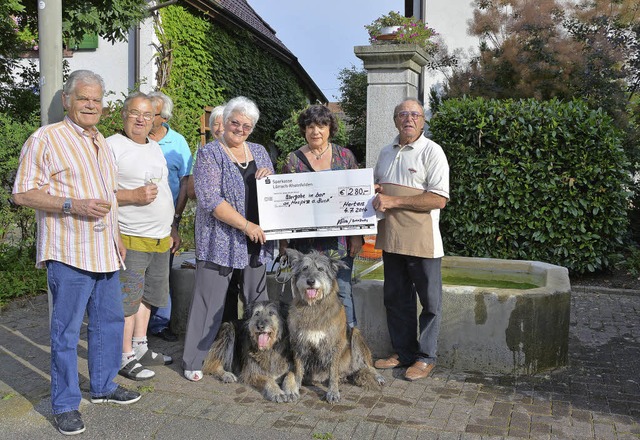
(393, 74)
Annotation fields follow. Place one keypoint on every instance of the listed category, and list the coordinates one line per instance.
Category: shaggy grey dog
(323, 348)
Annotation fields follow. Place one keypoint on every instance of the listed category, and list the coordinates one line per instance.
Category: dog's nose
(311, 281)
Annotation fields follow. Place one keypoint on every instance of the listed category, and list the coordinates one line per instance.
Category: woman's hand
(355, 244)
(255, 233)
(282, 247)
(262, 172)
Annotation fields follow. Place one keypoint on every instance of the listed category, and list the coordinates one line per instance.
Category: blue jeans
(344, 284)
(73, 292)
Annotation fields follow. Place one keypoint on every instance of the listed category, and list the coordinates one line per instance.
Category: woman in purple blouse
(228, 234)
(317, 124)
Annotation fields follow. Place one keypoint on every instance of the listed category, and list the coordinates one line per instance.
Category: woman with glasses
(228, 234)
(318, 125)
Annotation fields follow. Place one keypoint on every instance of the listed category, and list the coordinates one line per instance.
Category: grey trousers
(207, 307)
(406, 277)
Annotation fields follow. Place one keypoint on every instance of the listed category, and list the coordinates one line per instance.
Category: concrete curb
(605, 290)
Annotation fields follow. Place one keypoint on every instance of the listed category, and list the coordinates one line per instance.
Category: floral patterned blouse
(217, 179)
(341, 159)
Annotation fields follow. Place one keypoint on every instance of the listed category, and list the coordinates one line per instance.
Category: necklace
(319, 156)
(246, 154)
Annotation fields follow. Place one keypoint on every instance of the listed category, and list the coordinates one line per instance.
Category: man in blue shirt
(179, 160)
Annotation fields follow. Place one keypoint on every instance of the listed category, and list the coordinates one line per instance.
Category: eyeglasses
(136, 114)
(414, 115)
(245, 127)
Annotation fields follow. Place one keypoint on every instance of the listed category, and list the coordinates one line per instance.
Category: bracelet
(245, 226)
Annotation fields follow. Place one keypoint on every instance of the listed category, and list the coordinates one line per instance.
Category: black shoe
(166, 334)
(69, 423)
(121, 396)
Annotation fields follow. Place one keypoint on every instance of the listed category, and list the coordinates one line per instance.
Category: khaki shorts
(146, 279)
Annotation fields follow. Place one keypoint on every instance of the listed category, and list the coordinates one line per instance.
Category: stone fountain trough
(494, 330)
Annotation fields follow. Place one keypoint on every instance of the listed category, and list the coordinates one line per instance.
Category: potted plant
(395, 28)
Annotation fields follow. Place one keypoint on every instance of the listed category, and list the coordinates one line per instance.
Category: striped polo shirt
(72, 162)
(409, 170)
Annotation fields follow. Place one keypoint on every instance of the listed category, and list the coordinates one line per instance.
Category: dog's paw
(228, 377)
(380, 379)
(332, 396)
(280, 397)
(292, 395)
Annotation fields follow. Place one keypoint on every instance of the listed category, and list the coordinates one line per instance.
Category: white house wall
(115, 62)
(450, 18)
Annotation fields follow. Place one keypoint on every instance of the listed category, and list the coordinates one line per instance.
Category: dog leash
(283, 272)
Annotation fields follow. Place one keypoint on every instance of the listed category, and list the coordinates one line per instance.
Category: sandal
(193, 375)
(151, 358)
(135, 371)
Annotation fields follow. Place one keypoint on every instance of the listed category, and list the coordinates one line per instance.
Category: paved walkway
(596, 397)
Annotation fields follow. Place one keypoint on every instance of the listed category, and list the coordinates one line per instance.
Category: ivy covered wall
(204, 64)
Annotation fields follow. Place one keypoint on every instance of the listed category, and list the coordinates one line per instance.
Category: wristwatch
(176, 220)
(66, 206)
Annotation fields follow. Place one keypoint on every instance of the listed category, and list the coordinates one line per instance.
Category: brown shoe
(419, 370)
(392, 361)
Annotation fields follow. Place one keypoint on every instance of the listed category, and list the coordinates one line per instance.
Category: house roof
(240, 13)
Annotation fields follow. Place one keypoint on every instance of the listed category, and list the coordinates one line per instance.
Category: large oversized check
(320, 204)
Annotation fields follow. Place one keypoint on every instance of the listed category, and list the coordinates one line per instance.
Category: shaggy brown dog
(258, 352)
(322, 346)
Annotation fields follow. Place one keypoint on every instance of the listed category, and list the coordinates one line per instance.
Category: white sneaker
(193, 375)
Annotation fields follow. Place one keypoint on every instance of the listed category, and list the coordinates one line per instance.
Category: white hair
(167, 104)
(244, 106)
(81, 76)
(215, 114)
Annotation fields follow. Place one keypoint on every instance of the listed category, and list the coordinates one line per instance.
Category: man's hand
(383, 202)
(94, 208)
(143, 195)
(175, 236)
(146, 194)
(121, 249)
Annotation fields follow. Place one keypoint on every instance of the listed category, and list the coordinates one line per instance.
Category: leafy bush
(17, 224)
(289, 138)
(18, 275)
(533, 180)
(353, 100)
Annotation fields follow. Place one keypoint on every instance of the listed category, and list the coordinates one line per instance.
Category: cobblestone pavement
(596, 397)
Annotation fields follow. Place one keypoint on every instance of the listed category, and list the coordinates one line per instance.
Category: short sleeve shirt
(410, 170)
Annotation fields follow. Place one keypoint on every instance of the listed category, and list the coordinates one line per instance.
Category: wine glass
(100, 225)
(152, 178)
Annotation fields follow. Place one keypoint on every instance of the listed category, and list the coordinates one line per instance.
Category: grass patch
(146, 388)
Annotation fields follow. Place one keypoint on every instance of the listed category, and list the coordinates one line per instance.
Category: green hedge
(533, 180)
(211, 64)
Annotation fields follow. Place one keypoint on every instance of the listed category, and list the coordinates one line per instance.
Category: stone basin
(493, 330)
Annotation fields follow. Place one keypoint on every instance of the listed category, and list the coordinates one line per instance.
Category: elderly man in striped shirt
(68, 175)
